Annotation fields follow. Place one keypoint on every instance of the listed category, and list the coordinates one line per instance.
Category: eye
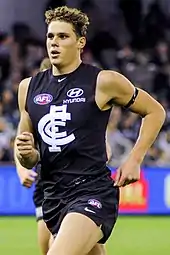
(50, 35)
(63, 36)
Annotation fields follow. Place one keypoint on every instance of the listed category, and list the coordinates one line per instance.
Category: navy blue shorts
(97, 198)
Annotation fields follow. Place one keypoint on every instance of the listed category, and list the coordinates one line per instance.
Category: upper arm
(112, 86)
(25, 121)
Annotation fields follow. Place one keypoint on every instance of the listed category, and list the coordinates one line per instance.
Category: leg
(51, 241)
(98, 249)
(77, 235)
(43, 237)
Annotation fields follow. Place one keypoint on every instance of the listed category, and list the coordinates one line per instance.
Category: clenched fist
(25, 151)
(27, 177)
(25, 145)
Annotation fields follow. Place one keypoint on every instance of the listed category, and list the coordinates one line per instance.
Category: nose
(54, 42)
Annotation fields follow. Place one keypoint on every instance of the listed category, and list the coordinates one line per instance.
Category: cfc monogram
(48, 128)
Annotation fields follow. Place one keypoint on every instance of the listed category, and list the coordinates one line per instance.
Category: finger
(23, 141)
(30, 135)
(24, 147)
(27, 133)
(23, 137)
(25, 153)
(27, 184)
(30, 179)
(127, 182)
(118, 175)
(121, 181)
(33, 173)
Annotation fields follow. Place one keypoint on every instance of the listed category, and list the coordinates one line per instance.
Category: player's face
(63, 46)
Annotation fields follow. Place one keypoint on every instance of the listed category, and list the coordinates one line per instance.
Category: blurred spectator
(132, 10)
(164, 145)
(161, 54)
(120, 146)
(153, 156)
(154, 26)
(161, 82)
(129, 126)
(5, 41)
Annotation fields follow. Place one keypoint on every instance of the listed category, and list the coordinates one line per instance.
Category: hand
(27, 177)
(128, 173)
(25, 145)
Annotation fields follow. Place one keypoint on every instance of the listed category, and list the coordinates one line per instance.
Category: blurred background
(129, 36)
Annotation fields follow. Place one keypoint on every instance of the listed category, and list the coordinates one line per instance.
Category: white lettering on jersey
(48, 128)
(74, 100)
(74, 95)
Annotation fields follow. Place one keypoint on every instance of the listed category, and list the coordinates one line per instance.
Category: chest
(68, 101)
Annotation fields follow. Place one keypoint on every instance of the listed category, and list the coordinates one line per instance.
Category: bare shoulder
(106, 75)
(114, 88)
(110, 85)
(22, 92)
(109, 79)
(24, 84)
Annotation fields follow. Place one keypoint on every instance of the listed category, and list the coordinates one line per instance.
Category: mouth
(54, 53)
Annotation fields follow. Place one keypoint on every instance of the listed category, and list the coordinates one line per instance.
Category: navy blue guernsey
(69, 126)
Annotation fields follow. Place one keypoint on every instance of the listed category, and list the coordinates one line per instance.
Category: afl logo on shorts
(76, 92)
(95, 203)
(43, 99)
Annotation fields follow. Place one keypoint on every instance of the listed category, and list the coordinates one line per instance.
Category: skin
(110, 86)
(61, 37)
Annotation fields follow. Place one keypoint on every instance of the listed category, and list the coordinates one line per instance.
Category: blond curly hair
(77, 18)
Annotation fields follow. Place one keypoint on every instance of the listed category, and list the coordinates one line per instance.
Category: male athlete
(66, 110)
(28, 177)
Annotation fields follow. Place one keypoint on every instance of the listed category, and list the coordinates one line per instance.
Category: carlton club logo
(75, 92)
(49, 128)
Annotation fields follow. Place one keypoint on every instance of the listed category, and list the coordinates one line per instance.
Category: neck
(59, 70)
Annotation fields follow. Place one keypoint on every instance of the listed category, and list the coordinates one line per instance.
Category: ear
(81, 42)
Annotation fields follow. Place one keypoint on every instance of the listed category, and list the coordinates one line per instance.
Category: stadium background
(130, 36)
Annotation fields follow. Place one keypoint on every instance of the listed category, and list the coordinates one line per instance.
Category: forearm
(19, 168)
(150, 128)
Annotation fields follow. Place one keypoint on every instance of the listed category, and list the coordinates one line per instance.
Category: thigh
(43, 237)
(98, 249)
(77, 235)
(101, 207)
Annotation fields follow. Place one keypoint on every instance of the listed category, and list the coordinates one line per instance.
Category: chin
(56, 62)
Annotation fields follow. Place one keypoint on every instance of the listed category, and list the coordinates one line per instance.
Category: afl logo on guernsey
(76, 92)
(43, 99)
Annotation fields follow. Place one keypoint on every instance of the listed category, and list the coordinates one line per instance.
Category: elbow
(160, 113)
(157, 114)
